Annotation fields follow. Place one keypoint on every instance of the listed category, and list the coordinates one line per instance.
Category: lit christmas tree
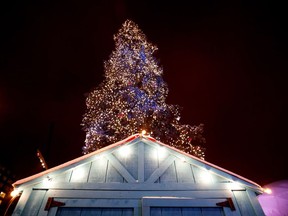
(132, 98)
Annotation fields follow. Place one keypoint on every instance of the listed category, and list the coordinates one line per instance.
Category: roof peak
(133, 140)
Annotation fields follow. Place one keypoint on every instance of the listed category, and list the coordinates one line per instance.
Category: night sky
(224, 63)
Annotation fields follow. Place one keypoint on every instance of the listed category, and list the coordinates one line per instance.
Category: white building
(137, 176)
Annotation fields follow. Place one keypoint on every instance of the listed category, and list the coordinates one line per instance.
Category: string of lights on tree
(132, 97)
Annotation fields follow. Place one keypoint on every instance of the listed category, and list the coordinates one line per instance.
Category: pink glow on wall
(275, 203)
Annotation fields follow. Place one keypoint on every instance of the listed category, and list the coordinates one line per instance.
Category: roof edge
(129, 139)
(205, 162)
(43, 173)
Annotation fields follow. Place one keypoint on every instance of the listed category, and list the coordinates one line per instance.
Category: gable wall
(138, 169)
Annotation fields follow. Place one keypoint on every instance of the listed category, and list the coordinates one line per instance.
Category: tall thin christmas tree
(132, 98)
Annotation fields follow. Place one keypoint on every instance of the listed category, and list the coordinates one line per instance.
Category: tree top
(130, 33)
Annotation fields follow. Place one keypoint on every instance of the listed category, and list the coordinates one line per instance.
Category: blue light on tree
(132, 97)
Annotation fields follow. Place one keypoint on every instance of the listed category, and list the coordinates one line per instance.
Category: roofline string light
(143, 132)
(267, 190)
(15, 192)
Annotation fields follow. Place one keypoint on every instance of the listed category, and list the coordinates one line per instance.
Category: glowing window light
(125, 151)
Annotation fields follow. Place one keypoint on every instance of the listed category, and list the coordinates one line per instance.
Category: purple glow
(276, 203)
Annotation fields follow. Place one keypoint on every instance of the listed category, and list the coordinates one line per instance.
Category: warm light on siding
(15, 193)
(206, 177)
(125, 151)
(182, 159)
(160, 152)
(78, 173)
(47, 181)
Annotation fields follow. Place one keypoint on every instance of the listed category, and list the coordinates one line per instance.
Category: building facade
(137, 176)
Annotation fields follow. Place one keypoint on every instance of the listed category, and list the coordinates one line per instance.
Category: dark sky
(224, 63)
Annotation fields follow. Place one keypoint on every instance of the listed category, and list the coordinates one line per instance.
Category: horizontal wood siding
(143, 186)
(89, 194)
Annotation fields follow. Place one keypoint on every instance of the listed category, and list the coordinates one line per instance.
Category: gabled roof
(147, 140)
(74, 161)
